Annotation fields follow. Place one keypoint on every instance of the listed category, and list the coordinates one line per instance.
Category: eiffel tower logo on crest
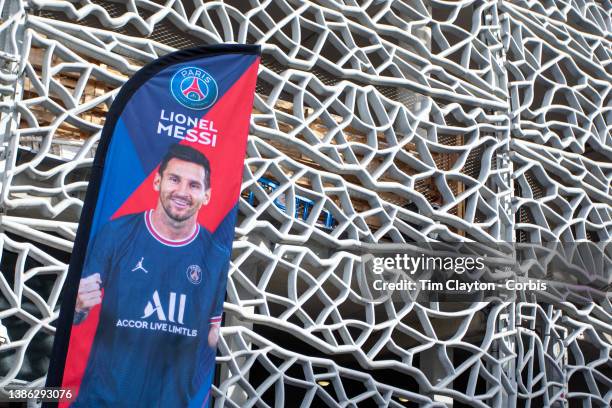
(193, 88)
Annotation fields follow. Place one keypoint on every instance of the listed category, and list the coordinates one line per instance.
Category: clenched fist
(89, 293)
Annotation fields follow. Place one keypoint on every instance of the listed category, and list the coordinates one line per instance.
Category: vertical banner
(143, 300)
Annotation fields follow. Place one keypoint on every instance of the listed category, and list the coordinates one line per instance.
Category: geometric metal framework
(374, 122)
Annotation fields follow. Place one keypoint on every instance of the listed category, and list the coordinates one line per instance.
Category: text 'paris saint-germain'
(191, 129)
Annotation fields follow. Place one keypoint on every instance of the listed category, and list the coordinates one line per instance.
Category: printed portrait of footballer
(159, 278)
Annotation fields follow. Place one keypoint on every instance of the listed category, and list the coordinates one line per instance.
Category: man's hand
(89, 293)
(213, 335)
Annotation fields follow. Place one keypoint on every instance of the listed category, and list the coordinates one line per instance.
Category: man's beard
(174, 217)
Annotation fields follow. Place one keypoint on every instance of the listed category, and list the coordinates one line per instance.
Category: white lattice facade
(375, 122)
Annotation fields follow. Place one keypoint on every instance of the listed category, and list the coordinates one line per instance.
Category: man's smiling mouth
(180, 202)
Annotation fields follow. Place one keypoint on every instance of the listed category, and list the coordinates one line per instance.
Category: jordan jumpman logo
(139, 266)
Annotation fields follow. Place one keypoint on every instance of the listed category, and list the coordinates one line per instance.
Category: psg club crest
(194, 274)
(194, 88)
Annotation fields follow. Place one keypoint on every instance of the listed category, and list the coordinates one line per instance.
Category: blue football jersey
(160, 296)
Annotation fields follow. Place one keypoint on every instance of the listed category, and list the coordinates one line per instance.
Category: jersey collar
(166, 241)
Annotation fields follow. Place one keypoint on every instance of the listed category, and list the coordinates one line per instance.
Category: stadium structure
(375, 122)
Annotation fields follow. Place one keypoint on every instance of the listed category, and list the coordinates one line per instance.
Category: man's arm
(223, 236)
(89, 295)
(94, 274)
(213, 334)
(214, 325)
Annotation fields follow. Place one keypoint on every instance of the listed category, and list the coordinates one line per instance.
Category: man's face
(181, 189)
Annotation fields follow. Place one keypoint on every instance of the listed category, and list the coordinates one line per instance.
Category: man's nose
(182, 189)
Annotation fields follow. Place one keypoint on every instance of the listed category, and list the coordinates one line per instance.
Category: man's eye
(195, 186)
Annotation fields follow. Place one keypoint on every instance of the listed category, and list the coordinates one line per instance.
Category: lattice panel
(323, 303)
(296, 379)
(385, 173)
(30, 286)
(561, 85)
(375, 122)
(557, 347)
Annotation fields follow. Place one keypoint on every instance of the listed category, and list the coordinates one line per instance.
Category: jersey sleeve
(219, 296)
(224, 234)
(99, 254)
(223, 238)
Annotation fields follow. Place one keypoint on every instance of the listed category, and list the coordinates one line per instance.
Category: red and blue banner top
(217, 128)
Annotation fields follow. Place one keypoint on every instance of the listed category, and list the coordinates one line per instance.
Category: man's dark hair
(188, 154)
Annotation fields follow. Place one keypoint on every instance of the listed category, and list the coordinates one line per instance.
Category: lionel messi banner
(143, 302)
